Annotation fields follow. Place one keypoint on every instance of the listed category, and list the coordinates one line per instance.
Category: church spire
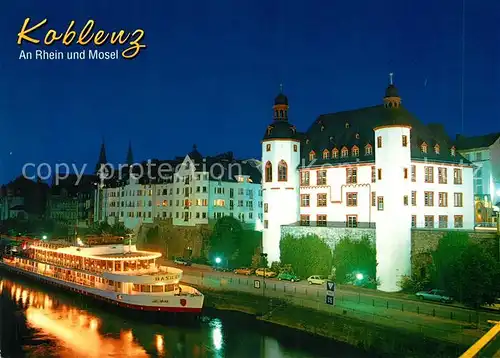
(130, 156)
(102, 157)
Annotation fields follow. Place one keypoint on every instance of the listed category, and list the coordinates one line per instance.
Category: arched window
(344, 152)
(312, 155)
(423, 147)
(355, 151)
(282, 171)
(452, 151)
(269, 172)
(335, 153)
(326, 154)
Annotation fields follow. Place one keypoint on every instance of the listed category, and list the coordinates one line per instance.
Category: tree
(466, 271)
(450, 248)
(153, 235)
(307, 255)
(232, 244)
(352, 256)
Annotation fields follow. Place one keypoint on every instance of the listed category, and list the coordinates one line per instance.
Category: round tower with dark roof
(393, 197)
(280, 179)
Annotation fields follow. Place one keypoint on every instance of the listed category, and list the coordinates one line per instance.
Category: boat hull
(138, 303)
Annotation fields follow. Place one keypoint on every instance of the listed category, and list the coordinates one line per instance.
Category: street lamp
(44, 237)
(263, 255)
(218, 260)
(359, 276)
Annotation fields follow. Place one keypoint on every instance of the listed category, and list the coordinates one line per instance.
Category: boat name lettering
(165, 278)
(160, 301)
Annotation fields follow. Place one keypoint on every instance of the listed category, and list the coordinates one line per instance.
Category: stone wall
(329, 234)
(175, 240)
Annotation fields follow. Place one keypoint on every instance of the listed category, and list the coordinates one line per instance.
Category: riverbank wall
(381, 340)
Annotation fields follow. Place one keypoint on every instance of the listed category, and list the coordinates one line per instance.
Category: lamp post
(264, 256)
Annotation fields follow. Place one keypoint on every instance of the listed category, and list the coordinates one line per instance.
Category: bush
(413, 284)
(352, 256)
(308, 255)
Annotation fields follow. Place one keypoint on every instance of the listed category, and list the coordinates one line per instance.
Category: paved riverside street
(447, 321)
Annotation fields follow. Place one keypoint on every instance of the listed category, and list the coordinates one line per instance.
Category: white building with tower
(375, 169)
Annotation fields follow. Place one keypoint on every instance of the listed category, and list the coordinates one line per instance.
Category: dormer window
(312, 155)
(269, 130)
(322, 128)
(294, 129)
(326, 154)
(344, 152)
(307, 141)
(368, 149)
(355, 151)
(452, 151)
(436, 149)
(347, 124)
(335, 153)
(423, 147)
(357, 135)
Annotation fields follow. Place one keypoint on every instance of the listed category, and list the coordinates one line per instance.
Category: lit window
(457, 176)
(368, 149)
(442, 175)
(304, 220)
(380, 203)
(304, 178)
(429, 198)
(326, 154)
(351, 199)
(352, 221)
(344, 152)
(282, 171)
(453, 151)
(423, 147)
(429, 221)
(429, 174)
(443, 200)
(443, 221)
(351, 176)
(269, 172)
(321, 177)
(335, 153)
(320, 220)
(304, 200)
(459, 200)
(437, 149)
(355, 151)
(312, 155)
(321, 200)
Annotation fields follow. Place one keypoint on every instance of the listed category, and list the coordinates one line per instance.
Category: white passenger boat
(107, 269)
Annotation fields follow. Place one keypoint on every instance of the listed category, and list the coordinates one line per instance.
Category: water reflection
(56, 324)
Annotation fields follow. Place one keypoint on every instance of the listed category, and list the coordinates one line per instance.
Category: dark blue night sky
(212, 69)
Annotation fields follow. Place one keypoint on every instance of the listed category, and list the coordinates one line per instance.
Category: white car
(316, 280)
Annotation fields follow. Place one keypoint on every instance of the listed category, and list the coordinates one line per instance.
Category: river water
(41, 321)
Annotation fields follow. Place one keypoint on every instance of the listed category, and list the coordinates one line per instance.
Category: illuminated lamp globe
(44, 237)
(359, 276)
(217, 260)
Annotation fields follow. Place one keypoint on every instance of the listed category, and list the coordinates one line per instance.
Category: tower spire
(391, 82)
(130, 156)
(281, 87)
(102, 156)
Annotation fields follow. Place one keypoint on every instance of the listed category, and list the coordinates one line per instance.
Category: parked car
(244, 271)
(288, 277)
(316, 280)
(434, 295)
(265, 272)
(182, 261)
